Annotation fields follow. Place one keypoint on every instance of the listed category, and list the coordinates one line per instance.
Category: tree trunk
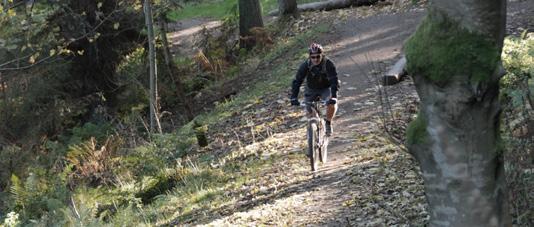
(287, 8)
(249, 17)
(154, 122)
(454, 58)
(3, 87)
(5, 5)
(166, 51)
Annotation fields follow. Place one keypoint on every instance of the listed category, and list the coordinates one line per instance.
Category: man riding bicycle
(321, 81)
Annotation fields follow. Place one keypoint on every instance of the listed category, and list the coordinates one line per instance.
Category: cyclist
(321, 81)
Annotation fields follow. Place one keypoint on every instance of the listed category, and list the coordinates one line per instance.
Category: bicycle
(317, 139)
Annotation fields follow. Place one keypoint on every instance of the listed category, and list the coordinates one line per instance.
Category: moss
(200, 132)
(441, 49)
(416, 131)
(500, 145)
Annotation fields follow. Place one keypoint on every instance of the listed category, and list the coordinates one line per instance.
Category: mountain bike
(317, 139)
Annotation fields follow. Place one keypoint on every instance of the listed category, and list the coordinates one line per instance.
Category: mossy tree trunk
(249, 17)
(454, 57)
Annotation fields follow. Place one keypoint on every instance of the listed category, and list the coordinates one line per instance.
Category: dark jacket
(319, 76)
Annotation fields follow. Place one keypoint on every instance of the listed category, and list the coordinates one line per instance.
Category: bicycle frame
(318, 118)
(317, 140)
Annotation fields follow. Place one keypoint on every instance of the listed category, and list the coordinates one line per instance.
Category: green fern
(79, 213)
(18, 192)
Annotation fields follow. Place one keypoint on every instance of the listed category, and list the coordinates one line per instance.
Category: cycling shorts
(310, 94)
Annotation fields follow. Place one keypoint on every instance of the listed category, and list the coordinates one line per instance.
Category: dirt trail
(358, 47)
(368, 181)
(184, 34)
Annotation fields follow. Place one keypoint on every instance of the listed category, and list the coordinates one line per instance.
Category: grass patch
(212, 10)
(218, 9)
(199, 189)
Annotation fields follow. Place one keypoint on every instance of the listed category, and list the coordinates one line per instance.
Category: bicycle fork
(319, 124)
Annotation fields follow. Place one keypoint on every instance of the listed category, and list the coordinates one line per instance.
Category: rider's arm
(299, 78)
(332, 78)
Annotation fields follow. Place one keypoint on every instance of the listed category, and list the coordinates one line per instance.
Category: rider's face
(315, 58)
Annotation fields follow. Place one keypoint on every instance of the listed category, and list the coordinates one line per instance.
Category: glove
(295, 102)
(332, 101)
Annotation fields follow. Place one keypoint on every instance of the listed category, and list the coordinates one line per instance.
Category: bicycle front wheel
(313, 150)
(324, 143)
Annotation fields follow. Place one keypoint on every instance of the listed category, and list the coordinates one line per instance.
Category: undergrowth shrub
(149, 158)
(93, 164)
(183, 187)
(518, 126)
(40, 196)
(34, 106)
(13, 158)
(89, 130)
(136, 163)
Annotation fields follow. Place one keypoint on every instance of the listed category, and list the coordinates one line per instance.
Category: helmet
(315, 48)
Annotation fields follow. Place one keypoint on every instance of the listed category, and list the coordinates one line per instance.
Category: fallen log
(329, 5)
(395, 74)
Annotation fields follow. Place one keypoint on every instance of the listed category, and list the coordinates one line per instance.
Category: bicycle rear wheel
(313, 150)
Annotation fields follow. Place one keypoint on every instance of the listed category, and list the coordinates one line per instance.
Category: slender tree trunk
(5, 5)
(249, 16)
(454, 58)
(3, 87)
(154, 121)
(287, 8)
(166, 52)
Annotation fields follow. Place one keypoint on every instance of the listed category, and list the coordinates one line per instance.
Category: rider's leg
(330, 112)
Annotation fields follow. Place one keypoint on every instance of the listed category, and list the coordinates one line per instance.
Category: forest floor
(369, 179)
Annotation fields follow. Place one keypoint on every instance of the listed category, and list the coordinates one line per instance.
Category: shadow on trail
(332, 174)
(378, 33)
(251, 201)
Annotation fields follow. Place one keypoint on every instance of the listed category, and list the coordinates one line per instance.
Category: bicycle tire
(312, 148)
